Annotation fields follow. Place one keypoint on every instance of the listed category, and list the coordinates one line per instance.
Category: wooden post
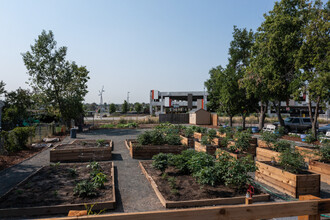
(308, 217)
(248, 201)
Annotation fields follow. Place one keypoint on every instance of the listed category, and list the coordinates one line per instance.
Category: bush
(157, 137)
(269, 137)
(325, 153)
(212, 134)
(173, 139)
(291, 161)
(180, 161)
(280, 131)
(199, 161)
(17, 138)
(281, 145)
(99, 180)
(309, 139)
(145, 138)
(206, 176)
(205, 140)
(189, 132)
(243, 140)
(160, 161)
(85, 189)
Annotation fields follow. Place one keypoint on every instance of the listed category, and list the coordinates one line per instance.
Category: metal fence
(182, 118)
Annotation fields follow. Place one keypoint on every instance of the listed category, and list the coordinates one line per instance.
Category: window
(307, 120)
(295, 121)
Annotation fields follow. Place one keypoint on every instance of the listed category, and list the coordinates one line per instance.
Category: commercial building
(162, 102)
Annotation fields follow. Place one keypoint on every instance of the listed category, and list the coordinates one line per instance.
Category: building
(162, 102)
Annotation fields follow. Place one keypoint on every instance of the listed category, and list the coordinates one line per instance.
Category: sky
(128, 45)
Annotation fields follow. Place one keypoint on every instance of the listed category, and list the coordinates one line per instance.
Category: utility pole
(128, 97)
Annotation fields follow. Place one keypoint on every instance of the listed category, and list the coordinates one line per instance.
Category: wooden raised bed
(289, 183)
(321, 168)
(265, 154)
(221, 135)
(209, 149)
(198, 136)
(148, 151)
(251, 150)
(56, 209)
(262, 143)
(309, 153)
(79, 153)
(234, 155)
(187, 141)
(201, 202)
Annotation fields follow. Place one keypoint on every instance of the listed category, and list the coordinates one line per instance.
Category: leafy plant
(99, 180)
(280, 131)
(325, 153)
(189, 132)
(198, 161)
(172, 182)
(206, 176)
(212, 134)
(95, 168)
(100, 142)
(309, 139)
(85, 189)
(173, 139)
(243, 140)
(205, 140)
(291, 161)
(269, 137)
(145, 138)
(90, 211)
(224, 141)
(16, 139)
(180, 161)
(281, 145)
(72, 172)
(160, 161)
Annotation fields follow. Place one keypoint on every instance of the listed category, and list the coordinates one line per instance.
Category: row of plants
(225, 170)
(159, 137)
(16, 139)
(120, 125)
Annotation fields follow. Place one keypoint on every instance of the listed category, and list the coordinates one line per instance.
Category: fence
(44, 130)
(174, 118)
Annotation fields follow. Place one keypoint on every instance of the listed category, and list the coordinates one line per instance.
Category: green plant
(269, 137)
(310, 138)
(90, 211)
(294, 135)
(157, 137)
(281, 145)
(291, 161)
(85, 189)
(99, 180)
(160, 161)
(100, 142)
(243, 140)
(173, 139)
(55, 193)
(325, 153)
(189, 132)
(145, 138)
(224, 141)
(55, 165)
(172, 182)
(205, 140)
(180, 161)
(72, 172)
(206, 176)
(212, 133)
(198, 161)
(95, 168)
(16, 139)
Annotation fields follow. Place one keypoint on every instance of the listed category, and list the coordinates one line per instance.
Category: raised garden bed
(190, 193)
(234, 155)
(321, 168)
(187, 141)
(289, 183)
(266, 154)
(138, 151)
(309, 153)
(209, 149)
(251, 149)
(50, 190)
(198, 135)
(82, 151)
(262, 143)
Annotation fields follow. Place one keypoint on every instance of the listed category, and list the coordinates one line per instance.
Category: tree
(63, 83)
(313, 59)
(112, 108)
(2, 87)
(124, 107)
(15, 111)
(138, 107)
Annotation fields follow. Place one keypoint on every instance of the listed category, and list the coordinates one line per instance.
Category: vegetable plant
(85, 188)
(281, 146)
(160, 161)
(291, 161)
(269, 137)
(99, 180)
(325, 153)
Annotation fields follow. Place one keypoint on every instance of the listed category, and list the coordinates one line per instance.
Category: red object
(153, 94)
(170, 104)
(202, 103)
(250, 190)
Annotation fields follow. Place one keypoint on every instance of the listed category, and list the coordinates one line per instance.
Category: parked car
(296, 124)
(324, 129)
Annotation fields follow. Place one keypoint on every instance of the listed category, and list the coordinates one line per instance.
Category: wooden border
(58, 209)
(321, 168)
(308, 153)
(81, 154)
(262, 143)
(209, 149)
(201, 202)
(187, 141)
(265, 154)
(289, 183)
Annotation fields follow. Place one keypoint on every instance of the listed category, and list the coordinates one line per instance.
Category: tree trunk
(262, 115)
(316, 114)
(278, 113)
(231, 121)
(243, 121)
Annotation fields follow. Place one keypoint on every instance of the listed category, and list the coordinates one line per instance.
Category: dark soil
(187, 186)
(83, 144)
(17, 157)
(53, 185)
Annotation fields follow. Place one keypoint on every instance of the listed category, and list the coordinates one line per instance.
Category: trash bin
(73, 132)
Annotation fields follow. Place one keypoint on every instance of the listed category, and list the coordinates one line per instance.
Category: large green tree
(313, 59)
(124, 107)
(138, 107)
(112, 108)
(62, 83)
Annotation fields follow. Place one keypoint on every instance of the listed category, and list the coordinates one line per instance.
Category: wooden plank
(253, 211)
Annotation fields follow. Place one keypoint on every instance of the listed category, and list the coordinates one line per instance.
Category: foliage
(198, 161)
(124, 107)
(95, 168)
(112, 108)
(138, 107)
(99, 179)
(188, 132)
(280, 131)
(212, 133)
(281, 146)
(62, 84)
(172, 182)
(269, 137)
(180, 161)
(160, 161)
(85, 188)
(206, 176)
(325, 153)
(100, 142)
(206, 140)
(291, 161)
(243, 140)
(199, 129)
(173, 139)
(145, 138)
(310, 138)
(17, 138)
(72, 172)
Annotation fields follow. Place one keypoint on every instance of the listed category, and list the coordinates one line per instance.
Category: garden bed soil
(321, 168)
(190, 193)
(50, 191)
(82, 151)
(266, 154)
(138, 151)
(304, 183)
(11, 159)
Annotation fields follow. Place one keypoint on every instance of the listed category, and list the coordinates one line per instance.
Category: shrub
(173, 139)
(280, 131)
(212, 134)
(243, 140)
(160, 161)
(198, 161)
(309, 138)
(222, 130)
(85, 189)
(157, 137)
(325, 153)
(291, 161)
(189, 132)
(206, 176)
(205, 140)
(99, 180)
(269, 137)
(17, 138)
(281, 145)
(100, 142)
(224, 141)
(180, 161)
(145, 138)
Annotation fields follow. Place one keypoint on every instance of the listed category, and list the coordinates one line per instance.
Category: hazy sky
(135, 46)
